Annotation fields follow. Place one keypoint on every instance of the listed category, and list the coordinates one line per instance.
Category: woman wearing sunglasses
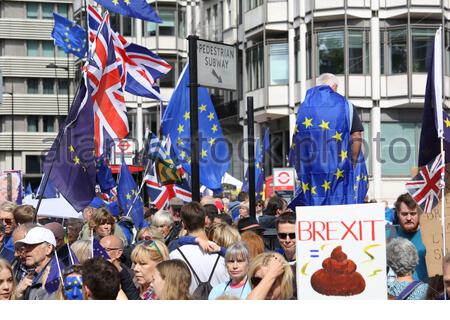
(145, 258)
(271, 278)
(237, 263)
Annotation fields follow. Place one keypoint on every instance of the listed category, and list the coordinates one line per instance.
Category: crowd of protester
(209, 250)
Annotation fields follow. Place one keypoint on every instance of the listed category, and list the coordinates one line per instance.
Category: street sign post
(216, 64)
(284, 182)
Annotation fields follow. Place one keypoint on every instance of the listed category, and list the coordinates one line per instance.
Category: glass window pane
(47, 10)
(61, 53)
(168, 80)
(355, 52)
(260, 73)
(63, 9)
(420, 40)
(398, 149)
(182, 24)
(151, 28)
(279, 66)
(330, 48)
(397, 40)
(32, 10)
(382, 52)
(48, 86)
(32, 48)
(33, 86)
(48, 48)
(127, 26)
(33, 164)
(62, 86)
(49, 123)
(32, 123)
(167, 27)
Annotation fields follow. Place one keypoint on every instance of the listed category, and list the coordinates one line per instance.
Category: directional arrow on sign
(214, 73)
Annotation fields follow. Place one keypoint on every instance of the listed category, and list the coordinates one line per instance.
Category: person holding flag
(326, 145)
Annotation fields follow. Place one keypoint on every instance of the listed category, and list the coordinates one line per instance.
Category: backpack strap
(190, 267)
(408, 290)
(214, 268)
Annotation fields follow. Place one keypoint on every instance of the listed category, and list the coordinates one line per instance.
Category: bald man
(114, 247)
(18, 264)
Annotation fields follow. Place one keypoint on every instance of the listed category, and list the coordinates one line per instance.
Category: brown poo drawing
(338, 276)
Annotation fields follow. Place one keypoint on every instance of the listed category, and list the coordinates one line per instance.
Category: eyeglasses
(153, 244)
(405, 213)
(7, 220)
(112, 249)
(145, 238)
(255, 281)
(283, 235)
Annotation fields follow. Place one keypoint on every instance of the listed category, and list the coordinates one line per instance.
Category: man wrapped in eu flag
(325, 147)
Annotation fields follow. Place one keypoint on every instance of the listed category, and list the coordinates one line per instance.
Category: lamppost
(12, 124)
(55, 66)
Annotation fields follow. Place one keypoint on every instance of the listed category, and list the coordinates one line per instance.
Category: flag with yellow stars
(129, 197)
(430, 145)
(69, 36)
(71, 165)
(140, 9)
(214, 155)
(321, 149)
(361, 185)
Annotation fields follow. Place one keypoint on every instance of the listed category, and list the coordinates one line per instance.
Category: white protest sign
(341, 252)
(216, 65)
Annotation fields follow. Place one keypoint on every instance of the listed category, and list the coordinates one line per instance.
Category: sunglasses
(146, 238)
(152, 244)
(7, 220)
(255, 281)
(283, 235)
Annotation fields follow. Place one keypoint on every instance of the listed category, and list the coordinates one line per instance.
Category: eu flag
(321, 149)
(28, 190)
(127, 192)
(214, 154)
(361, 184)
(72, 162)
(54, 275)
(69, 36)
(258, 170)
(105, 178)
(430, 145)
(99, 251)
(133, 8)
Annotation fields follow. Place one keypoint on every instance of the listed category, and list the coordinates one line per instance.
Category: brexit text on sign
(341, 252)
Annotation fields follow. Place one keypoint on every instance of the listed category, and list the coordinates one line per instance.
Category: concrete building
(376, 47)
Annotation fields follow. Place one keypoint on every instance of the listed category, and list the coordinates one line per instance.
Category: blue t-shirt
(224, 288)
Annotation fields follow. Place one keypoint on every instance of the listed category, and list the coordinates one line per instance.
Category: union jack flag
(424, 187)
(160, 194)
(141, 67)
(104, 74)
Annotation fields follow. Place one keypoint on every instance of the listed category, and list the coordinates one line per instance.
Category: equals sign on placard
(314, 253)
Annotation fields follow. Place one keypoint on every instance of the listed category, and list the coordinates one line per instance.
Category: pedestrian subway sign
(216, 63)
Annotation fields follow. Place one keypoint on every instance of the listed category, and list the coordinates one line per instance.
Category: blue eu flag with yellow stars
(69, 36)
(361, 185)
(128, 196)
(321, 149)
(214, 155)
(71, 164)
(133, 8)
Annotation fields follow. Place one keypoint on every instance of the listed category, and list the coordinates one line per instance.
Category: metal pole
(12, 126)
(193, 93)
(251, 156)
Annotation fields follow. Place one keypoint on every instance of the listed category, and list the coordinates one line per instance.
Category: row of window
(36, 48)
(47, 86)
(45, 10)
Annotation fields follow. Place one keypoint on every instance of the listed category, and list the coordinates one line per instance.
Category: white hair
(162, 218)
(328, 79)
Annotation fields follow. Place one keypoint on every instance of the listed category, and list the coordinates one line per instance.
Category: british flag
(141, 67)
(424, 187)
(160, 195)
(104, 74)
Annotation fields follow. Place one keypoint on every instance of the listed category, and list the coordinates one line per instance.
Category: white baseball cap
(38, 235)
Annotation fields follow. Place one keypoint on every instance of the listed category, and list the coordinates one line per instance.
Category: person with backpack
(207, 270)
(402, 258)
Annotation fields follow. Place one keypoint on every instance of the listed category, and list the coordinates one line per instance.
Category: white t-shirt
(202, 263)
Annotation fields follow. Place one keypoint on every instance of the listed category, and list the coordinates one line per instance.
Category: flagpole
(140, 188)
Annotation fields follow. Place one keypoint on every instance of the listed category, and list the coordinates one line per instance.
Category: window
(399, 149)
(127, 26)
(297, 59)
(47, 11)
(308, 56)
(63, 9)
(420, 41)
(63, 86)
(167, 27)
(49, 123)
(168, 80)
(228, 16)
(397, 41)
(382, 42)
(330, 50)
(48, 49)
(255, 67)
(208, 23)
(279, 64)
(61, 53)
(32, 86)
(181, 23)
(151, 28)
(32, 10)
(48, 85)
(355, 52)
(32, 123)
(33, 164)
(32, 48)
(251, 4)
(214, 22)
